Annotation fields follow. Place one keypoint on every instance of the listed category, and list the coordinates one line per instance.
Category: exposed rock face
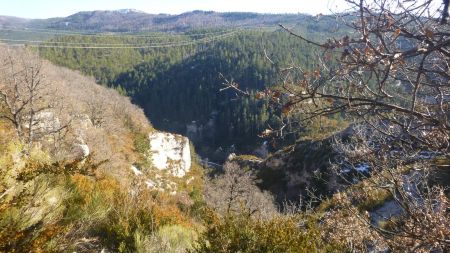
(245, 160)
(43, 123)
(170, 152)
(289, 173)
(135, 170)
(296, 170)
(170, 156)
(84, 150)
(81, 124)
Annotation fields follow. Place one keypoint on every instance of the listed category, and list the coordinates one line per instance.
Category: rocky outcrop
(43, 123)
(81, 150)
(170, 152)
(291, 172)
(81, 124)
(157, 181)
(245, 160)
(169, 157)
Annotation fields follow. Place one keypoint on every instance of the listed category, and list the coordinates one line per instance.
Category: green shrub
(141, 143)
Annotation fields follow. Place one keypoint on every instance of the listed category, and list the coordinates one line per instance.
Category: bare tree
(26, 95)
(393, 66)
(236, 191)
(96, 110)
(391, 75)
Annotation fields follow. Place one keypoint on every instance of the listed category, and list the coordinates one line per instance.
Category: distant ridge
(126, 20)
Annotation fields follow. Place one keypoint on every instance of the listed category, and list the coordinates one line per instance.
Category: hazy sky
(60, 8)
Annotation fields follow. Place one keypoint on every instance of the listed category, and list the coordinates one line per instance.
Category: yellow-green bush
(242, 233)
(49, 206)
(125, 221)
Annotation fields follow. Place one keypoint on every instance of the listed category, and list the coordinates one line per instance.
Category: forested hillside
(180, 87)
(191, 90)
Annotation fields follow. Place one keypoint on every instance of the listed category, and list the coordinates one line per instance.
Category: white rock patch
(84, 149)
(170, 152)
(136, 171)
(45, 122)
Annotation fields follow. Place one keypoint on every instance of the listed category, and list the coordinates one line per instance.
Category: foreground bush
(48, 206)
(243, 233)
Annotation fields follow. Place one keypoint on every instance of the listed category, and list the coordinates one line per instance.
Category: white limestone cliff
(170, 152)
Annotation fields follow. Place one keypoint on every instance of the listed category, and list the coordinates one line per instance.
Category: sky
(62, 8)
